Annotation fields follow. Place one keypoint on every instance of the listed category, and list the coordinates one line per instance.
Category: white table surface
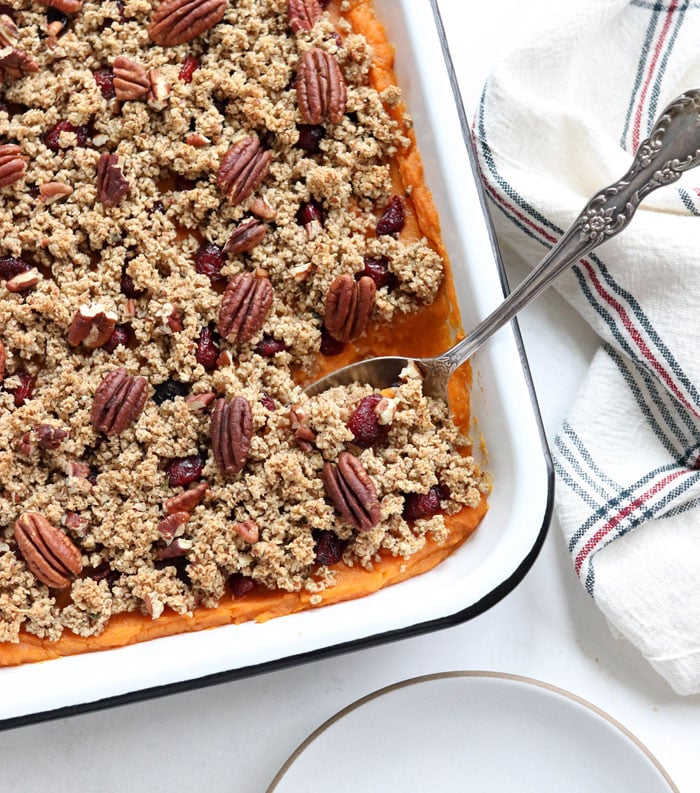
(234, 737)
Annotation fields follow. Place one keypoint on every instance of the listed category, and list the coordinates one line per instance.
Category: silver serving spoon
(672, 148)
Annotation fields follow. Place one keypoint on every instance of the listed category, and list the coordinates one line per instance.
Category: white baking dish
(478, 574)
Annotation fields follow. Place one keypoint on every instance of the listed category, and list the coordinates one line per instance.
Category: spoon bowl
(672, 148)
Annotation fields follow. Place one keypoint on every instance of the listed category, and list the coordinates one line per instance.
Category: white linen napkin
(559, 120)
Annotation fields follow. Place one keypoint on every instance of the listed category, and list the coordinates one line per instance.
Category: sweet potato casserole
(205, 204)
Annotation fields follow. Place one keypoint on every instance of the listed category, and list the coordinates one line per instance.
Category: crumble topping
(140, 260)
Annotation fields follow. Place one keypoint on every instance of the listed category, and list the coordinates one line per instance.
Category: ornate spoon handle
(672, 148)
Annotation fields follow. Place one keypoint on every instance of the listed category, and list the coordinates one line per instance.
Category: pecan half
(67, 6)
(49, 553)
(243, 169)
(119, 401)
(303, 14)
(245, 237)
(349, 304)
(244, 306)
(231, 434)
(187, 500)
(352, 491)
(13, 164)
(130, 79)
(92, 325)
(112, 185)
(15, 64)
(321, 90)
(178, 21)
(8, 31)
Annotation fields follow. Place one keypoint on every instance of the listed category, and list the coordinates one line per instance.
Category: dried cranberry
(120, 336)
(308, 212)
(267, 401)
(364, 422)
(221, 105)
(378, 270)
(188, 68)
(54, 15)
(182, 183)
(208, 260)
(240, 584)
(169, 389)
(10, 266)
(423, 505)
(207, 353)
(25, 389)
(267, 346)
(52, 137)
(127, 287)
(104, 78)
(329, 547)
(329, 345)
(105, 573)
(393, 217)
(184, 470)
(310, 137)
(180, 563)
(156, 206)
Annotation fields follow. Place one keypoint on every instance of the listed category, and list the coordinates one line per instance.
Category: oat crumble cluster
(181, 222)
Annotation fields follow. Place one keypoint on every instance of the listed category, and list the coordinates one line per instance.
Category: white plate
(478, 574)
(484, 732)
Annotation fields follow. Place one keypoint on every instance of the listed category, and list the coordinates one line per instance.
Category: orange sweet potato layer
(428, 332)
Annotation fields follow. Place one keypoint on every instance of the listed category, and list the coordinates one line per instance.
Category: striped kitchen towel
(559, 119)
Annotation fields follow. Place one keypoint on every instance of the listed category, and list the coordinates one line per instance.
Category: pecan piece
(244, 306)
(159, 90)
(187, 500)
(67, 6)
(245, 237)
(178, 547)
(173, 525)
(130, 79)
(92, 325)
(178, 21)
(49, 437)
(49, 553)
(248, 530)
(12, 164)
(242, 169)
(112, 185)
(54, 191)
(15, 64)
(303, 14)
(321, 90)
(349, 304)
(352, 491)
(119, 401)
(23, 281)
(231, 434)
